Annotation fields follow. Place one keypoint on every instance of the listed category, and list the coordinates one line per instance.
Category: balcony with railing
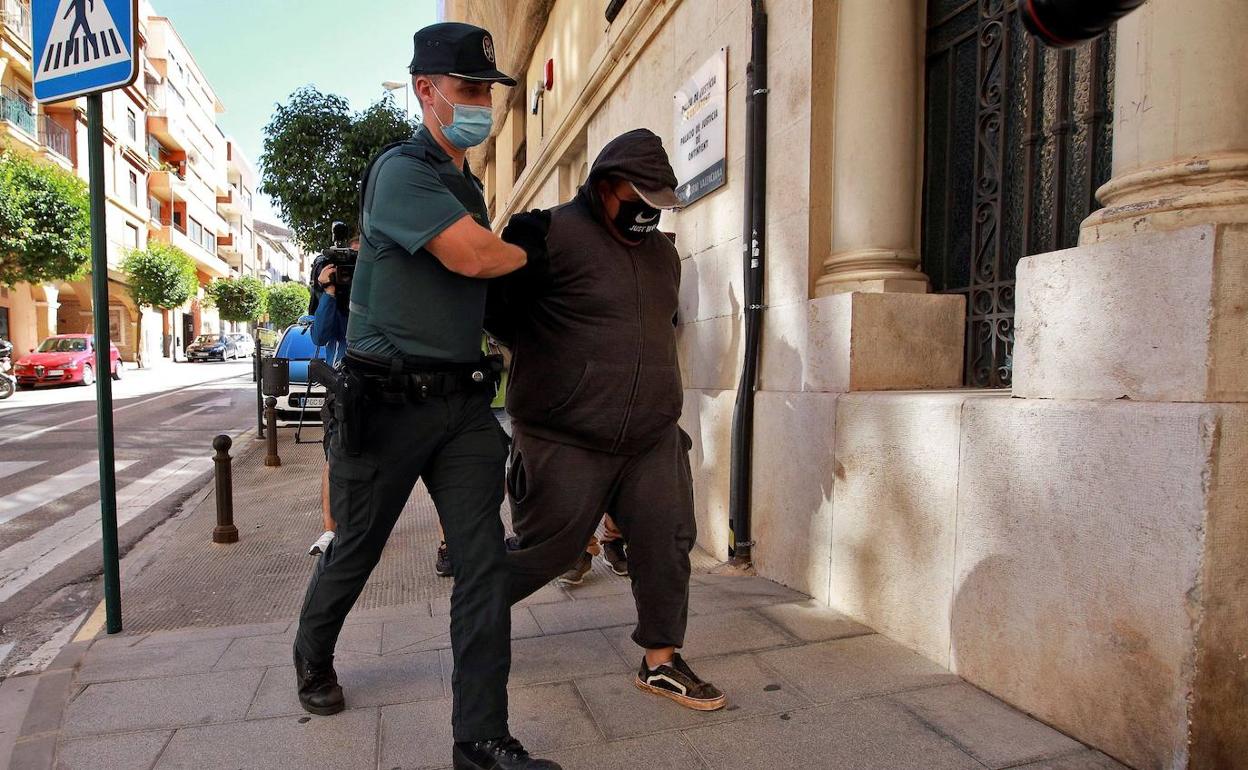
(54, 136)
(17, 111)
(15, 21)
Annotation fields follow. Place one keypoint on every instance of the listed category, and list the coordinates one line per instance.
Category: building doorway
(1018, 139)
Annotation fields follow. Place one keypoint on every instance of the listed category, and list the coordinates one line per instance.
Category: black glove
(528, 231)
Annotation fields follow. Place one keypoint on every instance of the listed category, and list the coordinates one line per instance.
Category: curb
(35, 747)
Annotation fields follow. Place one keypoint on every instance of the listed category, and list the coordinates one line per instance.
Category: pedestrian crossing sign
(83, 46)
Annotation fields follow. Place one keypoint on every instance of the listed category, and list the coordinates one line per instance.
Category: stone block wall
(1082, 560)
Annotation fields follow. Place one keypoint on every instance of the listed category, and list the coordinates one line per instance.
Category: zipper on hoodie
(641, 349)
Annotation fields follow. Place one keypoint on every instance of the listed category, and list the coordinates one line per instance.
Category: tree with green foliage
(315, 150)
(160, 276)
(287, 302)
(241, 300)
(45, 221)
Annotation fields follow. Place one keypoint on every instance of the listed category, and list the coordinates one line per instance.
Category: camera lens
(1065, 23)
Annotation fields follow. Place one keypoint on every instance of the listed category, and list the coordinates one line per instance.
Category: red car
(65, 358)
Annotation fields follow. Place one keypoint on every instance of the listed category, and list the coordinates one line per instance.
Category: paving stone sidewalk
(807, 687)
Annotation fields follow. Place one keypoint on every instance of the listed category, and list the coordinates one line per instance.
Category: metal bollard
(225, 531)
(255, 374)
(270, 418)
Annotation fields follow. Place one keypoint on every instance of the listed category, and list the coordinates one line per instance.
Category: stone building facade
(1000, 414)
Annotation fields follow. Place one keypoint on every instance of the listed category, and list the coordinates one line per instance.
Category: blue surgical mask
(470, 126)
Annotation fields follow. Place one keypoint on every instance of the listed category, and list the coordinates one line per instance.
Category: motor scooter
(8, 381)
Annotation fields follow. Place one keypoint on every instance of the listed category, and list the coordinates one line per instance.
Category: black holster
(350, 403)
(344, 404)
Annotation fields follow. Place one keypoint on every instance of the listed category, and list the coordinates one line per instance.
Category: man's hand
(326, 279)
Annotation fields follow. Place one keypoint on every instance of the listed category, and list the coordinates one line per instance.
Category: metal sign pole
(96, 50)
(103, 365)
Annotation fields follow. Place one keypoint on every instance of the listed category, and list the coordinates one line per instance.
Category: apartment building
(170, 175)
(278, 257)
(28, 313)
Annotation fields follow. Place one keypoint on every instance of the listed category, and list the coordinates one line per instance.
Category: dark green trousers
(457, 447)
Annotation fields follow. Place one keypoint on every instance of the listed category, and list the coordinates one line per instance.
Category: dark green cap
(459, 50)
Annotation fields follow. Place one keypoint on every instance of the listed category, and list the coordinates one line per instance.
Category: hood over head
(637, 156)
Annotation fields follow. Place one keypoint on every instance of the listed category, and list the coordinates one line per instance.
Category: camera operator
(412, 401)
(329, 331)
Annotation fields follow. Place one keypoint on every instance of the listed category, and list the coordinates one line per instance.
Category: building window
(519, 133)
(134, 189)
(4, 323)
(1018, 139)
(154, 204)
(132, 237)
(197, 232)
(132, 125)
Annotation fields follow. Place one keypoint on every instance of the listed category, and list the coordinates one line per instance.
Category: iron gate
(1018, 139)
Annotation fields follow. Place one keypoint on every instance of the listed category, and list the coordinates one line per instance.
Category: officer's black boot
(319, 692)
(504, 753)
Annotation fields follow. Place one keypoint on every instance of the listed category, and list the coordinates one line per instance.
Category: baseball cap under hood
(638, 156)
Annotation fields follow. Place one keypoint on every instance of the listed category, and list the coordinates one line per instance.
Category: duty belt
(396, 379)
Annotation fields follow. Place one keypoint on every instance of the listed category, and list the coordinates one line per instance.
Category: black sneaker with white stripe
(677, 681)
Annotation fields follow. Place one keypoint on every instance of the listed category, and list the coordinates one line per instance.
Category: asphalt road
(50, 553)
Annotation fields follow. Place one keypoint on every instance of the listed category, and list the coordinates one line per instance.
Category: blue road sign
(83, 46)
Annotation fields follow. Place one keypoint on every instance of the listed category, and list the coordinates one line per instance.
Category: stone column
(1180, 120)
(45, 310)
(878, 116)
(873, 325)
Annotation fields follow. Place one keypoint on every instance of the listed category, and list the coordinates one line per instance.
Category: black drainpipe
(754, 252)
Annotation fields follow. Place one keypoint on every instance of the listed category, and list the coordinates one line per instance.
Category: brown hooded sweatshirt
(591, 329)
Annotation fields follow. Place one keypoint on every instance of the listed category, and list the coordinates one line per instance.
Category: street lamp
(394, 85)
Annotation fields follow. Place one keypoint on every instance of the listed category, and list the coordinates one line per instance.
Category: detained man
(595, 394)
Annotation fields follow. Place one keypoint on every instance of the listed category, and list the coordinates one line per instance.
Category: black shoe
(677, 681)
(319, 692)
(503, 753)
(443, 565)
(614, 555)
(576, 574)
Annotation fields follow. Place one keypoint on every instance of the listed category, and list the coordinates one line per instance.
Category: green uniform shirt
(403, 300)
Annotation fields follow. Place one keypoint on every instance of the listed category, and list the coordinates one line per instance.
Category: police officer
(414, 351)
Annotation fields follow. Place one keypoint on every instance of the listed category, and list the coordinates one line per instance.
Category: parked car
(65, 358)
(245, 344)
(296, 346)
(209, 346)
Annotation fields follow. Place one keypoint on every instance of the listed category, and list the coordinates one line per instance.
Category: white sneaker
(322, 543)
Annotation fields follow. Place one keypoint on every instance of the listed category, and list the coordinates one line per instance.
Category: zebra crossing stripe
(25, 562)
(37, 495)
(10, 467)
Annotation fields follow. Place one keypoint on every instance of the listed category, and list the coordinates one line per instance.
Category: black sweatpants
(559, 493)
(457, 446)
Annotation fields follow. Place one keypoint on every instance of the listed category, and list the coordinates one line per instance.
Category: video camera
(342, 257)
(1065, 23)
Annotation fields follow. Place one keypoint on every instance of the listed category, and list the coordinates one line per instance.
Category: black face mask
(636, 219)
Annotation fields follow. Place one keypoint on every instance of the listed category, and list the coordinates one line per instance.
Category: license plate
(313, 403)
(55, 373)
(200, 355)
